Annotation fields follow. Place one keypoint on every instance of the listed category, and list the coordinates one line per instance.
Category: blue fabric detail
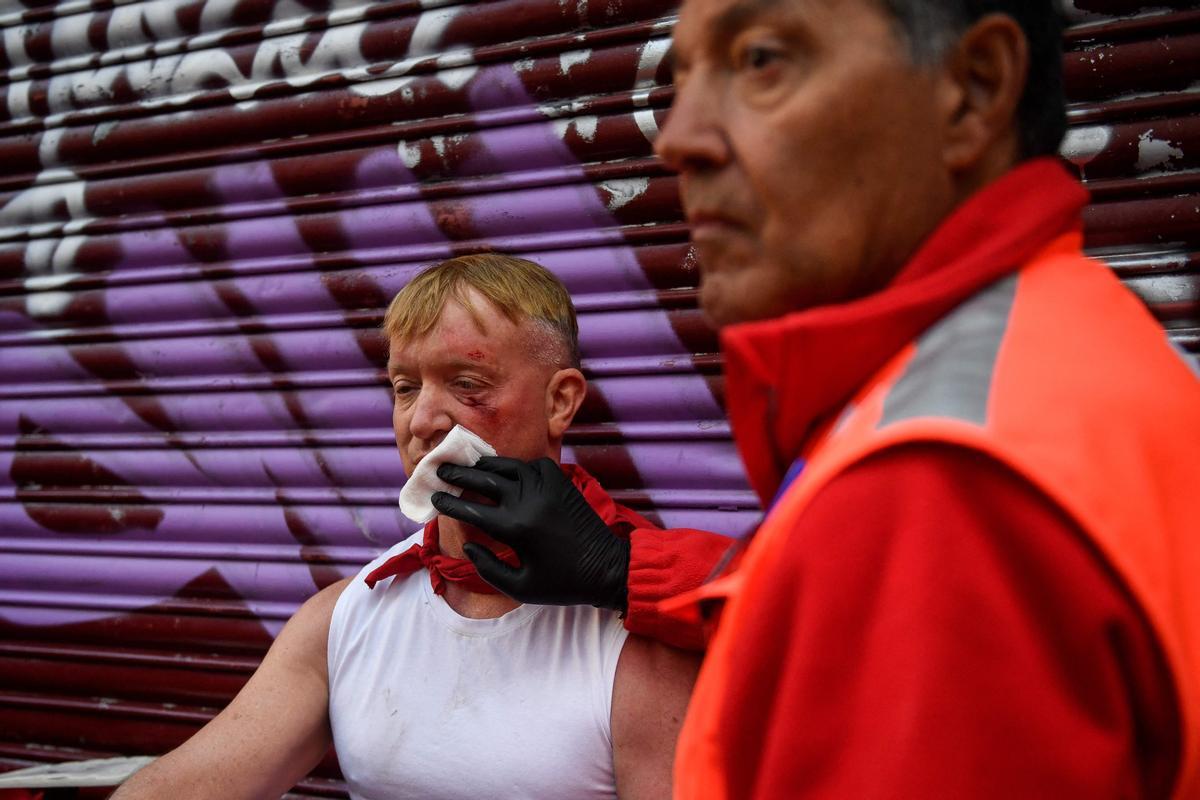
(789, 477)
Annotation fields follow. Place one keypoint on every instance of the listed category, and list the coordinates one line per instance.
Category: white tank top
(427, 704)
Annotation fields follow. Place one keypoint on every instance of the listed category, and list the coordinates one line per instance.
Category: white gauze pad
(459, 447)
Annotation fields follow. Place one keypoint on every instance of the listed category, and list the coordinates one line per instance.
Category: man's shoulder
(301, 647)
(322, 603)
(907, 470)
(314, 615)
(912, 484)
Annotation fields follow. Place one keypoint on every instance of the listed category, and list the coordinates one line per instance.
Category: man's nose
(430, 415)
(692, 137)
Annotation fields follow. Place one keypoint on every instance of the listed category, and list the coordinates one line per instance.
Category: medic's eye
(402, 389)
(758, 57)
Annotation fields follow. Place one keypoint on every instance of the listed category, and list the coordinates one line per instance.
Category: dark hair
(931, 26)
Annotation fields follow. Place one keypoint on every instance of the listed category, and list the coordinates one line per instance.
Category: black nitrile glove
(568, 554)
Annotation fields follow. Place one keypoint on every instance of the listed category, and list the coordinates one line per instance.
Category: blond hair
(519, 288)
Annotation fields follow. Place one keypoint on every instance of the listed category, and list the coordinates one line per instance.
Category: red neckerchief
(445, 569)
(785, 376)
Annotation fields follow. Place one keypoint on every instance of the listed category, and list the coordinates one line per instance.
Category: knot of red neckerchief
(445, 569)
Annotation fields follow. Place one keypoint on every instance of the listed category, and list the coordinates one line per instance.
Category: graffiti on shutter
(1134, 86)
(204, 209)
(205, 206)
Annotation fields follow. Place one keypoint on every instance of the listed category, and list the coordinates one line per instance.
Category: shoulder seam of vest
(951, 373)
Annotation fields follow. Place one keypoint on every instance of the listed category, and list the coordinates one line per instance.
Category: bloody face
(482, 378)
(809, 151)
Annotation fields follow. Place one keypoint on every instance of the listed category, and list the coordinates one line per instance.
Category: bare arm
(269, 736)
(650, 695)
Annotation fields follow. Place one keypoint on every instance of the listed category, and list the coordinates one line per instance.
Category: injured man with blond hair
(429, 683)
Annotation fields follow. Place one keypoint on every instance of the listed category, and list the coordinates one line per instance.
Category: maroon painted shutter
(204, 206)
(204, 209)
(1135, 134)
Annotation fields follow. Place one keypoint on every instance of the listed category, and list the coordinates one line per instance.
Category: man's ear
(982, 80)
(564, 396)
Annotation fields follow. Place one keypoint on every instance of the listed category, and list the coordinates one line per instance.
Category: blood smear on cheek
(481, 406)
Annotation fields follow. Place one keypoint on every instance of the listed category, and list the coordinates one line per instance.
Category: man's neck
(811, 362)
(472, 605)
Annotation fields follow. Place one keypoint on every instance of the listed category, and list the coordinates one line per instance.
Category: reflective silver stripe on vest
(1187, 359)
(951, 374)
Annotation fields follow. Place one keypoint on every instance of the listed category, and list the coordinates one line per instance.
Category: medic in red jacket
(977, 577)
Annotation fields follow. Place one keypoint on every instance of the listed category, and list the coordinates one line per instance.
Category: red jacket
(662, 566)
(931, 624)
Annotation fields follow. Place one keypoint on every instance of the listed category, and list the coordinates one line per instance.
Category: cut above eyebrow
(460, 363)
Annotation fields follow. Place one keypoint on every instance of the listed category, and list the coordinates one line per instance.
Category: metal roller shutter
(1134, 85)
(204, 207)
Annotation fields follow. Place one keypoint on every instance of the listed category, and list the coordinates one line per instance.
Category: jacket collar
(786, 375)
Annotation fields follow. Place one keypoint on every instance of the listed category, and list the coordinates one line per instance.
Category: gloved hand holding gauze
(459, 447)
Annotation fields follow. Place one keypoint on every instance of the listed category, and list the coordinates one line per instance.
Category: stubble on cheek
(723, 293)
(714, 303)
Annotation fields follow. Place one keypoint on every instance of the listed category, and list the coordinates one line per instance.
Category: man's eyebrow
(717, 33)
(738, 16)
(455, 363)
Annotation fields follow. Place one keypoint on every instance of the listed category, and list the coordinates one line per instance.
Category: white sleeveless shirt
(427, 704)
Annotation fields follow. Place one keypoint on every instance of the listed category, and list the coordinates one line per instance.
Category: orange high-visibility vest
(1060, 373)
